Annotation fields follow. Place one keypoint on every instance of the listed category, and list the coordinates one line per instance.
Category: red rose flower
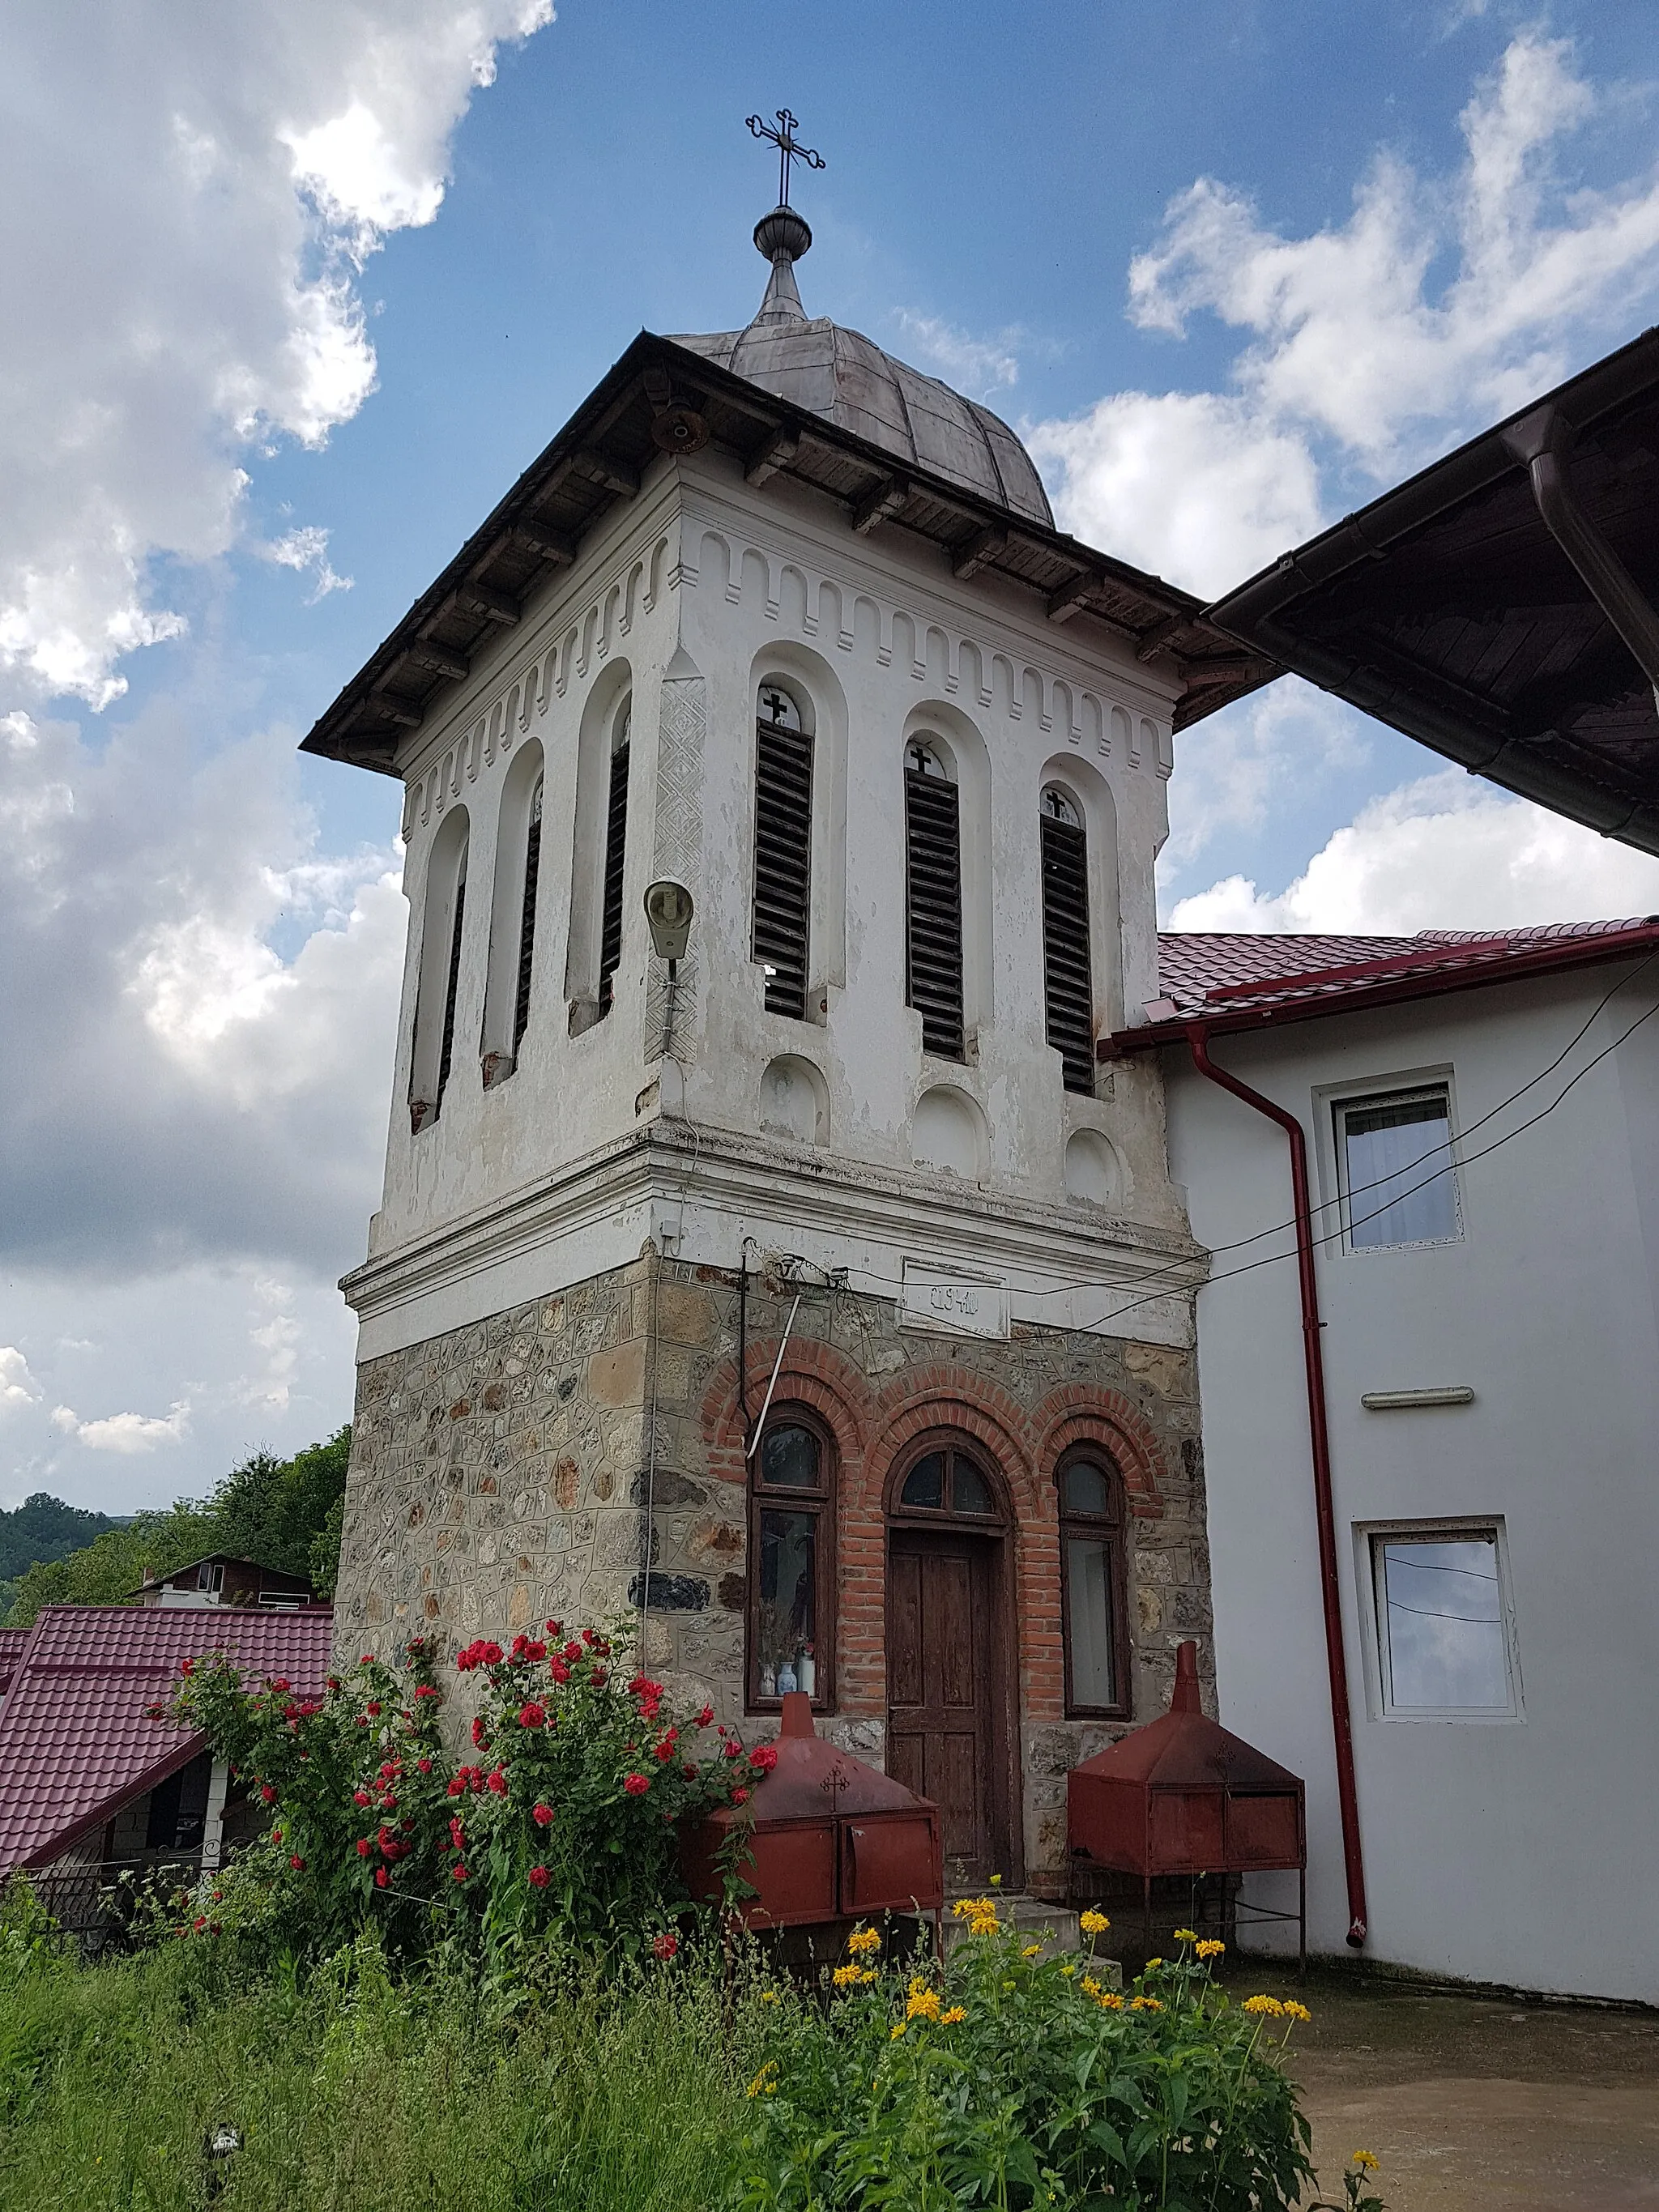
(664, 1945)
(367, 1659)
(664, 1750)
(542, 1815)
(276, 1835)
(490, 1654)
(333, 1681)
(596, 1677)
(531, 1716)
(364, 1847)
(281, 1682)
(555, 1629)
(360, 1796)
(730, 1750)
(478, 1731)
(427, 1690)
(687, 1767)
(198, 1925)
(297, 1863)
(763, 1758)
(637, 1784)
(559, 1671)
(497, 1780)
(186, 1666)
(374, 1707)
(705, 1716)
(540, 1877)
(739, 1796)
(424, 1765)
(459, 1873)
(267, 1795)
(457, 1835)
(382, 1879)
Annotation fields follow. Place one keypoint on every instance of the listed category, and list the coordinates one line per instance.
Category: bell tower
(764, 1251)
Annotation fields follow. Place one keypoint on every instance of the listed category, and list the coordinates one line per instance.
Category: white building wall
(691, 595)
(1518, 1851)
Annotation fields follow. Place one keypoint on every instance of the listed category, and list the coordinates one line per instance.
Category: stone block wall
(500, 1475)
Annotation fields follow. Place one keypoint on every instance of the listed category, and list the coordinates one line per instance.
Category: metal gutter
(1320, 1442)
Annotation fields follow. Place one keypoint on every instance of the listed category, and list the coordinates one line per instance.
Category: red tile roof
(12, 1641)
(1237, 980)
(75, 1743)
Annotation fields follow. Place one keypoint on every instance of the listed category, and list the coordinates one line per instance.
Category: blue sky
(330, 279)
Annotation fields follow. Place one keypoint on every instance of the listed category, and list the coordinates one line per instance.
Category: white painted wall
(702, 587)
(1520, 1850)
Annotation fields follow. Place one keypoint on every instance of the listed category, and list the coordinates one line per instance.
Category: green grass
(353, 2094)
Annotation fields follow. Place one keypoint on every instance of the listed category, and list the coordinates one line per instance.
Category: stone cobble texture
(549, 1460)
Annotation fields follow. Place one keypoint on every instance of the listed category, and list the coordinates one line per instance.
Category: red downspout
(1324, 1512)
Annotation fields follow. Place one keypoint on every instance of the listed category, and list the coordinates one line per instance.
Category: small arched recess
(599, 845)
(1091, 795)
(946, 735)
(516, 957)
(442, 926)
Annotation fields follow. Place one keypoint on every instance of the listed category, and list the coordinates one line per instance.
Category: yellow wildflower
(987, 1925)
(1186, 1935)
(1068, 1971)
(898, 2032)
(1269, 2006)
(768, 1996)
(1295, 2011)
(1209, 1948)
(1089, 1986)
(923, 2004)
(1029, 1950)
(918, 1984)
(845, 1976)
(862, 1939)
(1110, 2001)
(869, 1975)
(1145, 2004)
(1364, 2160)
(1151, 1963)
(956, 2012)
(763, 2085)
(1093, 1923)
(996, 1882)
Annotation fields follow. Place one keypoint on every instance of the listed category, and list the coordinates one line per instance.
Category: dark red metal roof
(12, 1641)
(817, 1780)
(1184, 1749)
(75, 1743)
(1237, 980)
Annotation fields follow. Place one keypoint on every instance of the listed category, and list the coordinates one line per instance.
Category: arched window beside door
(791, 1562)
(1093, 1586)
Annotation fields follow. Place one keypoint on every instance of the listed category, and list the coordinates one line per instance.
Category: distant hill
(43, 1527)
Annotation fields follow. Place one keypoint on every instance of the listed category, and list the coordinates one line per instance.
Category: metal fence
(97, 1903)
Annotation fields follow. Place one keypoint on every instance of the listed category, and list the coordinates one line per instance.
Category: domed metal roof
(847, 378)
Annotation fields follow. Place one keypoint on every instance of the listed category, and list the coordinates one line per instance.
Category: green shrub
(1012, 2078)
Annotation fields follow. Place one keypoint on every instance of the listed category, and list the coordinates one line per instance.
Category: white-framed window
(1442, 1628)
(1395, 1174)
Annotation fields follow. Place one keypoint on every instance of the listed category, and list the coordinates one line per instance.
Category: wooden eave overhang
(601, 455)
(1446, 609)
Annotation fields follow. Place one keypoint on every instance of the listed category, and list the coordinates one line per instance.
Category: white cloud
(126, 1433)
(202, 190)
(18, 1387)
(975, 366)
(1445, 852)
(1195, 486)
(1230, 767)
(1358, 353)
(302, 548)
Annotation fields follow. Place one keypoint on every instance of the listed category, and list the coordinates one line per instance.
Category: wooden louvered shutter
(1067, 985)
(532, 866)
(783, 863)
(616, 852)
(932, 934)
(452, 986)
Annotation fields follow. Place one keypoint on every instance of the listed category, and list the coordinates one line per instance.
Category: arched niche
(441, 922)
(794, 1101)
(812, 683)
(947, 1132)
(1094, 1174)
(956, 741)
(1091, 795)
(520, 823)
(602, 713)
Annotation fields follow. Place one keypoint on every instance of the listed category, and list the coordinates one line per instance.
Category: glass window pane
(925, 1484)
(1088, 1620)
(789, 1460)
(1392, 1150)
(1086, 1488)
(969, 1491)
(784, 1626)
(1443, 1643)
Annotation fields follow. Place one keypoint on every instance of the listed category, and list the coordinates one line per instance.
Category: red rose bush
(564, 1822)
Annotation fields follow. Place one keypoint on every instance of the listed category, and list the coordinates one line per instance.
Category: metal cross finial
(789, 148)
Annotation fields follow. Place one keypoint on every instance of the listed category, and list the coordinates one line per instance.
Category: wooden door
(941, 1721)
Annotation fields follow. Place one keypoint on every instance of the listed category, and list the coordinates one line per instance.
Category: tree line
(285, 1513)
